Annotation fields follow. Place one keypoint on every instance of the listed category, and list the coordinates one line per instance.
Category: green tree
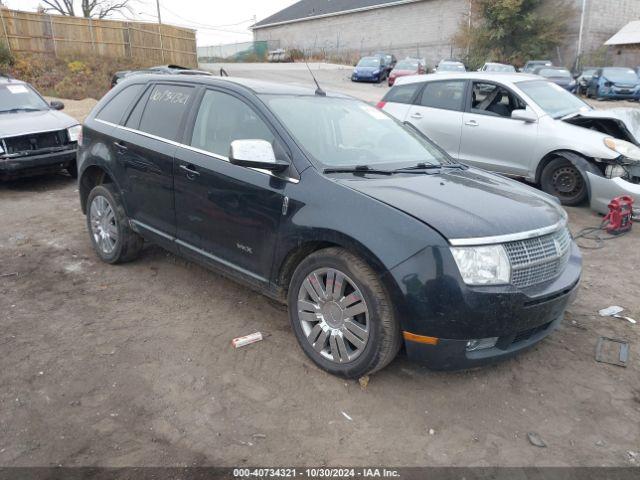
(512, 31)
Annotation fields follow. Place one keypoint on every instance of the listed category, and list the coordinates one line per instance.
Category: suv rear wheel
(112, 238)
(563, 180)
(342, 315)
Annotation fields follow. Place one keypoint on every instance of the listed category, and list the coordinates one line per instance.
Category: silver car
(524, 126)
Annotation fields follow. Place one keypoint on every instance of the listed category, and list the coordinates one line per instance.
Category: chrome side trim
(221, 261)
(512, 237)
(193, 149)
(160, 233)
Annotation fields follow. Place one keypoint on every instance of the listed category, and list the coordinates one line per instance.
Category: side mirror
(255, 154)
(57, 105)
(526, 116)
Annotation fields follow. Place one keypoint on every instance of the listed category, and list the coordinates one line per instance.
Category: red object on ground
(618, 220)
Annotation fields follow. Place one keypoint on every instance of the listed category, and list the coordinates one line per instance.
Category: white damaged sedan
(524, 126)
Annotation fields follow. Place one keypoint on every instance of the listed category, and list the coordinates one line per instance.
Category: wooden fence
(65, 36)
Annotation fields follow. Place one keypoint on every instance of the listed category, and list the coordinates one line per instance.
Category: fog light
(481, 343)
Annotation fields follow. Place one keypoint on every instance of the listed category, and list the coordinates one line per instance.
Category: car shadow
(50, 182)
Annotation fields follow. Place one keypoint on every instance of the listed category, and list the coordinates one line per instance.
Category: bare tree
(89, 8)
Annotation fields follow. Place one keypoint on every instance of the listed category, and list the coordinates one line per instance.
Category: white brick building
(416, 27)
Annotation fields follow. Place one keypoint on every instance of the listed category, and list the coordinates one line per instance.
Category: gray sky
(217, 21)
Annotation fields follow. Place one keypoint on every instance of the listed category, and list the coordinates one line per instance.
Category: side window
(492, 99)
(223, 118)
(164, 109)
(447, 95)
(402, 93)
(115, 108)
(136, 114)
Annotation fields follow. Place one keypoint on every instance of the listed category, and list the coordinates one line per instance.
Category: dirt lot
(131, 365)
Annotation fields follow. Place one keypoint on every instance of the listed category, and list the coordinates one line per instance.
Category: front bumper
(619, 93)
(603, 189)
(36, 164)
(452, 314)
(366, 78)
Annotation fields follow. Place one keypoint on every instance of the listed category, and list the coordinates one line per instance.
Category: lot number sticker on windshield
(17, 88)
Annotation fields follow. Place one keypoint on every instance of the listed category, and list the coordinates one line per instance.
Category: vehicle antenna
(319, 91)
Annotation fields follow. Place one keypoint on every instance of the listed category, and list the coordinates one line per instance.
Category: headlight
(74, 132)
(624, 148)
(483, 265)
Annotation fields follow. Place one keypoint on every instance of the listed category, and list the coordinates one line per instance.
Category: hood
(622, 123)
(22, 123)
(622, 80)
(367, 69)
(402, 73)
(562, 81)
(463, 203)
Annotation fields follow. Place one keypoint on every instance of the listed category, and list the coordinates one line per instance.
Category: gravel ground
(132, 365)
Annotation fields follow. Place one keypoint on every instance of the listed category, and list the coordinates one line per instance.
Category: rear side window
(115, 108)
(447, 95)
(402, 93)
(164, 110)
(223, 118)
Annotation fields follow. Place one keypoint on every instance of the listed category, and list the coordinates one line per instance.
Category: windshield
(552, 98)
(342, 132)
(498, 68)
(552, 72)
(369, 62)
(20, 97)
(623, 75)
(451, 67)
(407, 65)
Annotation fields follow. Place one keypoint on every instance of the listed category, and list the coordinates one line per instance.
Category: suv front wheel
(342, 315)
(111, 236)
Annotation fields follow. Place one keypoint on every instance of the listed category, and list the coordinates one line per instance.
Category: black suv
(370, 234)
(35, 137)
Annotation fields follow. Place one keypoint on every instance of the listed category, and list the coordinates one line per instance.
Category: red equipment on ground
(618, 220)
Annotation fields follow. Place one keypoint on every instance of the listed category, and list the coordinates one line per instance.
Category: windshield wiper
(430, 166)
(21, 109)
(357, 169)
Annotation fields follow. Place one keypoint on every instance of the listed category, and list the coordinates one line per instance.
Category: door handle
(190, 171)
(471, 123)
(120, 145)
(416, 115)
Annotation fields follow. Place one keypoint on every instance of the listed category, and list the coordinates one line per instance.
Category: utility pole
(160, 31)
(579, 50)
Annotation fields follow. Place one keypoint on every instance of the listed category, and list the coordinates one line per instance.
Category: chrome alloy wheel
(333, 315)
(103, 224)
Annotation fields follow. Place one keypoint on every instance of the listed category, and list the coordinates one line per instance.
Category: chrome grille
(539, 259)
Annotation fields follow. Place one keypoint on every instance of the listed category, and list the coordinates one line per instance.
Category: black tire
(128, 243)
(563, 180)
(72, 169)
(384, 339)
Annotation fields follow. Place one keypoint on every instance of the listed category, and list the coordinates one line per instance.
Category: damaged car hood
(22, 123)
(622, 123)
(485, 204)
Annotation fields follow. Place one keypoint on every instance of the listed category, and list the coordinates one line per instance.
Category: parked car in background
(161, 69)
(525, 126)
(388, 60)
(370, 69)
(531, 65)
(408, 66)
(450, 66)
(614, 83)
(369, 233)
(497, 67)
(584, 79)
(558, 75)
(35, 137)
